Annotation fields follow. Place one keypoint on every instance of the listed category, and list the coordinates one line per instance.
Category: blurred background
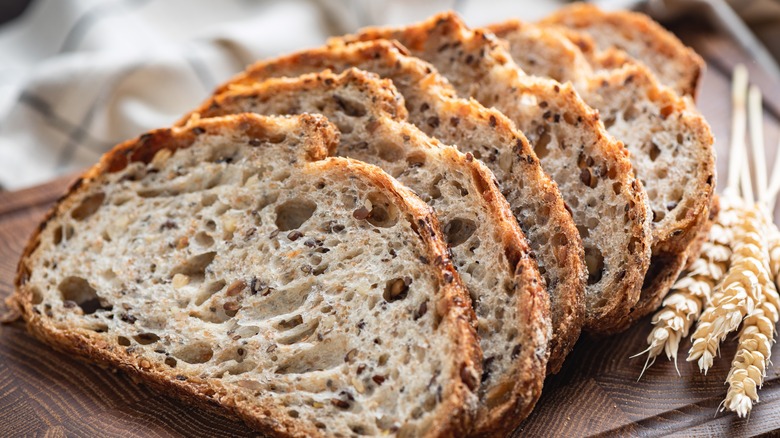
(78, 76)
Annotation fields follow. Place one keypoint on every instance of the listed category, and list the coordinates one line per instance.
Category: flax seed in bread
(228, 264)
(488, 247)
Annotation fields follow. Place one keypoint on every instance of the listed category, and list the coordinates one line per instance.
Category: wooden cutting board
(45, 393)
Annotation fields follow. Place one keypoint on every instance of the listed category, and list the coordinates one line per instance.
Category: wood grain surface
(45, 393)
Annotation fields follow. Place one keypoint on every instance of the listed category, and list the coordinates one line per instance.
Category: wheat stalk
(692, 291)
(740, 293)
(748, 368)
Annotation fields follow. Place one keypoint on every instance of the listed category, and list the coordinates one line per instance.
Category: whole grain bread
(487, 134)
(487, 245)
(670, 143)
(675, 65)
(591, 168)
(229, 264)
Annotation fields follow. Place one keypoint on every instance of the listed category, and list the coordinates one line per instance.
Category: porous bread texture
(670, 143)
(641, 38)
(591, 168)
(221, 263)
(487, 246)
(486, 133)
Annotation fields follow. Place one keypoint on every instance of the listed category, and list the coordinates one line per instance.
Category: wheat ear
(748, 368)
(692, 291)
(739, 293)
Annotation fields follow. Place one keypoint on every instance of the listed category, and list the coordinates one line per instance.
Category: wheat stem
(755, 120)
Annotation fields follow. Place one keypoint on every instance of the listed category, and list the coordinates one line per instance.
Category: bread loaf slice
(488, 135)
(675, 65)
(487, 246)
(221, 263)
(670, 143)
(592, 169)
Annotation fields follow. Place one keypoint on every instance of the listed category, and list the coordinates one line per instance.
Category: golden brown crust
(525, 379)
(422, 86)
(446, 38)
(676, 230)
(632, 26)
(319, 136)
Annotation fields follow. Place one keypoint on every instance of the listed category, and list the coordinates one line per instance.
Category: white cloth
(78, 76)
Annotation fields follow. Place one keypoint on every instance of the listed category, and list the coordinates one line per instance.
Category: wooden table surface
(45, 393)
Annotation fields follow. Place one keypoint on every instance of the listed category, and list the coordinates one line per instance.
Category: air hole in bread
(434, 191)
(389, 151)
(383, 214)
(609, 122)
(293, 213)
(88, 206)
(661, 173)
(658, 215)
(195, 353)
(123, 341)
(63, 233)
(300, 333)
(396, 289)
(79, 291)
(415, 159)
(570, 118)
(653, 151)
(204, 239)
(195, 266)
(289, 323)
(540, 146)
(631, 113)
(358, 429)
(171, 362)
(37, 296)
(146, 338)
(208, 291)
(458, 231)
(594, 261)
(350, 107)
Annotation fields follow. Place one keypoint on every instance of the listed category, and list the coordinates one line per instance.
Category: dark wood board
(45, 393)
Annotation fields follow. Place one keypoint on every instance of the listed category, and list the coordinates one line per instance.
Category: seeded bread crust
(669, 141)
(299, 142)
(486, 133)
(513, 313)
(570, 141)
(675, 65)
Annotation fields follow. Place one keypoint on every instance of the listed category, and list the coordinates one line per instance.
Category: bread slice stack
(399, 233)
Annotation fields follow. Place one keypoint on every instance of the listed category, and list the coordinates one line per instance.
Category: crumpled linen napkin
(79, 76)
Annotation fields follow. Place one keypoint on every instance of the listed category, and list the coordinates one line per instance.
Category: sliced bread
(591, 168)
(670, 143)
(227, 264)
(675, 65)
(488, 135)
(487, 246)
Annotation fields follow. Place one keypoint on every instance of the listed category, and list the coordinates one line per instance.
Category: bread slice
(675, 65)
(592, 169)
(669, 142)
(486, 134)
(488, 248)
(222, 264)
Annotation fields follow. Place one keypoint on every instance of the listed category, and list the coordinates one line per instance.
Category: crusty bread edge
(664, 41)
(455, 305)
